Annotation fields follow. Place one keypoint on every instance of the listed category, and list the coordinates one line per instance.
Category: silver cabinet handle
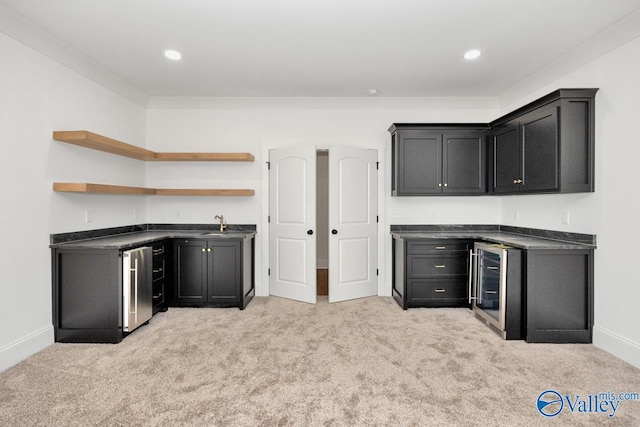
(440, 290)
(439, 248)
(440, 266)
(472, 273)
(490, 292)
(492, 268)
(135, 298)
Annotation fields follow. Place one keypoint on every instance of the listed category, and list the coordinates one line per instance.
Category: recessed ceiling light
(174, 55)
(372, 92)
(472, 54)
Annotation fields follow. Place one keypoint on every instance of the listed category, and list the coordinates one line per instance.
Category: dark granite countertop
(139, 236)
(521, 238)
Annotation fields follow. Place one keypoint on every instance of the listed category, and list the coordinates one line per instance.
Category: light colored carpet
(279, 362)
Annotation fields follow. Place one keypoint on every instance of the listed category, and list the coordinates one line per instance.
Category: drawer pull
(157, 296)
(440, 290)
(440, 266)
(158, 251)
(158, 270)
(492, 268)
(441, 247)
(490, 292)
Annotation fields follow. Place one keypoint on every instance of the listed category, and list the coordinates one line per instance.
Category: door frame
(263, 259)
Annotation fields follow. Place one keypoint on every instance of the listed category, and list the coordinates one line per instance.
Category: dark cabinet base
(559, 296)
(213, 272)
(87, 296)
(549, 296)
(430, 273)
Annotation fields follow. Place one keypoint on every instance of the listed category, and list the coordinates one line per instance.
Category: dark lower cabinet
(559, 296)
(431, 273)
(549, 292)
(160, 274)
(213, 272)
(87, 295)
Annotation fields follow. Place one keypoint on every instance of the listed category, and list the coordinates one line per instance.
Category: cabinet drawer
(437, 290)
(158, 293)
(158, 268)
(158, 250)
(436, 265)
(432, 246)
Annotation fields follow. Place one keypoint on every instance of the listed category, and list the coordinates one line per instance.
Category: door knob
(334, 231)
(310, 232)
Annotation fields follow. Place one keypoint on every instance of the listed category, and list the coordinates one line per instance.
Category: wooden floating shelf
(94, 141)
(81, 187)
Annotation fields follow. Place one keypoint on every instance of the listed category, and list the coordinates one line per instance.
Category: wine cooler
(495, 287)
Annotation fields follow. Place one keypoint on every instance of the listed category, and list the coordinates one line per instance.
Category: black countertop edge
(563, 236)
(114, 231)
(443, 228)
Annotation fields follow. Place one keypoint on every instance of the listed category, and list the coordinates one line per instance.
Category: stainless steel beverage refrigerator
(496, 288)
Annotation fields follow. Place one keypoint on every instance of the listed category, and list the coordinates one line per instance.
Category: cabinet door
(190, 271)
(506, 159)
(463, 163)
(559, 296)
(223, 271)
(419, 162)
(540, 150)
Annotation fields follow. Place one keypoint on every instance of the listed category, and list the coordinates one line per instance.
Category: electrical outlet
(434, 215)
(516, 215)
(135, 213)
(566, 218)
(396, 215)
(178, 213)
(88, 216)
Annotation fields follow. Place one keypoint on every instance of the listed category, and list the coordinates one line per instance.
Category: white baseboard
(620, 347)
(15, 352)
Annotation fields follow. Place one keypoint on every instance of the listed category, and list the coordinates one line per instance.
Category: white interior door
(292, 210)
(353, 206)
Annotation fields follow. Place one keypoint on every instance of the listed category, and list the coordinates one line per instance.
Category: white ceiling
(322, 48)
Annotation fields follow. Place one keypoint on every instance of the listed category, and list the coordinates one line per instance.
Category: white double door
(352, 223)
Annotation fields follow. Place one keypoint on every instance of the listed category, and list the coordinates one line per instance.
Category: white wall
(39, 96)
(611, 212)
(257, 125)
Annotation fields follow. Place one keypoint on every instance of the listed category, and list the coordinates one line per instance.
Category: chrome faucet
(223, 225)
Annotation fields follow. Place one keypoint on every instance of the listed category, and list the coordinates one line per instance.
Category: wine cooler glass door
(488, 298)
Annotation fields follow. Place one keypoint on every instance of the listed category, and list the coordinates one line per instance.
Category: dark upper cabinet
(464, 162)
(546, 146)
(506, 158)
(438, 159)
